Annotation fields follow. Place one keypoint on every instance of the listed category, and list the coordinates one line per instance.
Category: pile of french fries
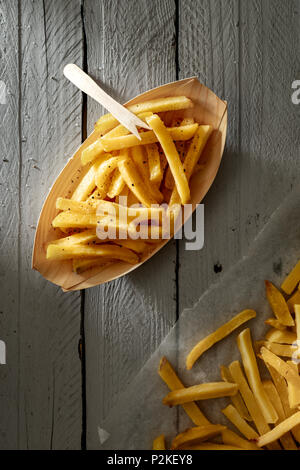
(128, 182)
(265, 412)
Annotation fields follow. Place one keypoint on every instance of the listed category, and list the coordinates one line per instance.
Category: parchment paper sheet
(139, 415)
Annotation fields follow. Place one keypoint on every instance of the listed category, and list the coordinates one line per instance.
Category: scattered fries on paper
(265, 412)
(131, 190)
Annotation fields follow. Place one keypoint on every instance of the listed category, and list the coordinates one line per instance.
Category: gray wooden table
(247, 51)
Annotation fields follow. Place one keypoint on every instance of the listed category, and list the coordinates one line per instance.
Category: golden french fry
(193, 154)
(275, 324)
(85, 207)
(286, 440)
(278, 305)
(81, 265)
(231, 438)
(172, 103)
(116, 185)
(291, 281)
(169, 376)
(113, 228)
(159, 443)
(61, 252)
(248, 397)
(281, 336)
(87, 184)
(250, 366)
(96, 149)
(104, 170)
(172, 156)
(218, 335)
(155, 169)
(112, 208)
(278, 431)
(203, 391)
(118, 143)
(139, 246)
(198, 434)
(237, 400)
(282, 368)
(83, 237)
(297, 320)
(140, 159)
(69, 219)
(293, 300)
(283, 350)
(135, 182)
(187, 120)
(233, 415)
(282, 389)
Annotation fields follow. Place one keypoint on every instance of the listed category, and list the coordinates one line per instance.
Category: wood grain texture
(45, 128)
(9, 170)
(130, 48)
(246, 52)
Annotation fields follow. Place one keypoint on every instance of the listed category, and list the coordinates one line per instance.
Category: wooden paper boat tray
(208, 109)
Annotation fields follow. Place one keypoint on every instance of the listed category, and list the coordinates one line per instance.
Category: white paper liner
(139, 415)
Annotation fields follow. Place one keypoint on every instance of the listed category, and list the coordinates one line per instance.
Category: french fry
(286, 440)
(116, 185)
(248, 397)
(250, 366)
(237, 400)
(113, 228)
(87, 184)
(194, 153)
(278, 305)
(233, 415)
(291, 281)
(69, 219)
(282, 389)
(169, 376)
(139, 246)
(83, 237)
(231, 438)
(211, 446)
(82, 265)
(281, 336)
(218, 335)
(155, 169)
(159, 443)
(135, 182)
(94, 150)
(104, 170)
(275, 324)
(283, 350)
(61, 252)
(187, 120)
(127, 141)
(172, 156)
(278, 431)
(112, 208)
(297, 321)
(172, 103)
(141, 161)
(196, 434)
(282, 368)
(293, 300)
(85, 207)
(200, 392)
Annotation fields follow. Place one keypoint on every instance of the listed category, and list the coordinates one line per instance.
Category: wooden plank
(245, 51)
(46, 386)
(130, 48)
(9, 169)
